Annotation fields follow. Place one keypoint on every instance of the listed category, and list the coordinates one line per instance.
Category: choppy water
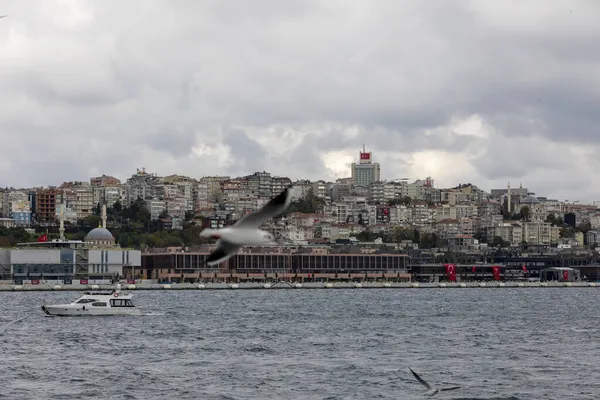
(307, 344)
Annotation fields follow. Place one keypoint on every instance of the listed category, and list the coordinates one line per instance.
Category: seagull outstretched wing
(430, 390)
(276, 206)
(421, 381)
(449, 388)
(222, 252)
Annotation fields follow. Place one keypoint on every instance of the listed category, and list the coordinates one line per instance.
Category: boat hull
(67, 310)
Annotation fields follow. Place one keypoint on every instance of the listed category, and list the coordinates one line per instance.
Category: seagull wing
(223, 251)
(449, 388)
(2, 16)
(421, 381)
(277, 205)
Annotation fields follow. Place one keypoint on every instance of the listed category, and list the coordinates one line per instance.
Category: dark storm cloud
(150, 83)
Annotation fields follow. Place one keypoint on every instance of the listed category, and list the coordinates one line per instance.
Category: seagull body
(246, 231)
(431, 390)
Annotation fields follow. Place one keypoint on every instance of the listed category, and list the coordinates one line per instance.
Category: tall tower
(104, 215)
(508, 203)
(61, 229)
(365, 171)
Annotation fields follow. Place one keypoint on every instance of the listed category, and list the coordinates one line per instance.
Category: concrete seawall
(292, 285)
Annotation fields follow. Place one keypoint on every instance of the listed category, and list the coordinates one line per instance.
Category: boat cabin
(105, 299)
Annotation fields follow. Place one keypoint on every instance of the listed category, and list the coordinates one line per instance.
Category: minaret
(508, 205)
(61, 229)
(104, 215)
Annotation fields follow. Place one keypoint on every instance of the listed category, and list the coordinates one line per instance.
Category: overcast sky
(480, 91)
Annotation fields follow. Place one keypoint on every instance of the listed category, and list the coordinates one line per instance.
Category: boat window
(99, 304)
(121, 303)
(86, 301)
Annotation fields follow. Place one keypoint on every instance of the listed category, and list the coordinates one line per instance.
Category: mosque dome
(100, 238)
(530, 200)
(99, 234)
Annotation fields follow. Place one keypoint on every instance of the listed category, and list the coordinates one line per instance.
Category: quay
(11, 287)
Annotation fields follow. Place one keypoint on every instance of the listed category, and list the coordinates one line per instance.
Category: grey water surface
(497, 343)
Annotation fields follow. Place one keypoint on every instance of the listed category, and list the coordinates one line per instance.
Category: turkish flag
(365, 156)
(524, 268)
(566, 275)
(451, 272)
(43, 238)
(496, 271)
(473, 269)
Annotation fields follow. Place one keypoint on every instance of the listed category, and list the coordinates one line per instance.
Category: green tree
(163, 214)
(498, 241)
(525, 213)
(367, 236)
(97, 210)
(124, 239)
(428, 240)
(405, 200)
(585, 227)
(91, 221)
(566, 232)
(191, 236)
(401, 234)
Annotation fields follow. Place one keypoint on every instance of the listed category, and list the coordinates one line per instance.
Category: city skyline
(465, 92)
(143, 170)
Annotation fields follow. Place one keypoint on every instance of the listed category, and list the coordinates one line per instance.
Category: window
(86, 301)
(99, 304)
(121, 303)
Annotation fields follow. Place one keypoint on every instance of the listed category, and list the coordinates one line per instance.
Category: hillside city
(149, 211)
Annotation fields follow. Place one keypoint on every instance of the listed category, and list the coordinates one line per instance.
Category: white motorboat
(96, 303)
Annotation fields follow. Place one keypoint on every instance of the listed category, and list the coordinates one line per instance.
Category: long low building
(96, 259)
(174, 266)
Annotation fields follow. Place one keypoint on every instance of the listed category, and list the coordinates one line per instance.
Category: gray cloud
(177, 142)
(106, 87)
(246, 154)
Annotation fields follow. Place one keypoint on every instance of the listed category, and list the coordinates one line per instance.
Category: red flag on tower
(451, 272)
(43, 238)
(496, 272)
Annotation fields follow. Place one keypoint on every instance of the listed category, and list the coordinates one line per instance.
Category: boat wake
(5, 326)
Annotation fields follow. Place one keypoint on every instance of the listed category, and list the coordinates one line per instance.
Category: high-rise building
(365, 171)
(46, 204)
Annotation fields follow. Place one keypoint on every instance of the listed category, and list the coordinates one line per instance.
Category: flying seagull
(2, 16)
(246, 230)
(431, 391)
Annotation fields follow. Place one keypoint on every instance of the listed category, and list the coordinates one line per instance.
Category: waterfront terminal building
(265, 264)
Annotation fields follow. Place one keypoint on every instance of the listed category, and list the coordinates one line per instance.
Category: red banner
(473, 269)
(496, 272)
(365, 156)
(451, 272)
(524, 268)
(83, 281)
(35, 281)
(566, 275)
